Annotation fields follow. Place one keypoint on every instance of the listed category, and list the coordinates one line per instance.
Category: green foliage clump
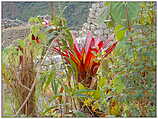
(126, 80)
(133, 63)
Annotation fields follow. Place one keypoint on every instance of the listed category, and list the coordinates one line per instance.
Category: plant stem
(37, 76)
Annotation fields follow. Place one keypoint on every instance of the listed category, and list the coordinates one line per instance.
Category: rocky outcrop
(98, 29)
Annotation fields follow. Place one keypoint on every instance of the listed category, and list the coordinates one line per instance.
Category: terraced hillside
(75, 12)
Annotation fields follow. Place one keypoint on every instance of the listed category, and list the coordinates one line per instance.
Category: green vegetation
(134, 61)
(118, 81)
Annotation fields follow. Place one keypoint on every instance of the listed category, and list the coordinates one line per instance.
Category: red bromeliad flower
(86, 58)
(36, 39)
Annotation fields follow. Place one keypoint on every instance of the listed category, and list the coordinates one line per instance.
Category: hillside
(75, 12)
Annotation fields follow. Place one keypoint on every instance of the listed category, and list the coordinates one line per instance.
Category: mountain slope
(76, 12)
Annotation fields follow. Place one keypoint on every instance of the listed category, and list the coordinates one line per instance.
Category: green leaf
(80, 114)
(120, 32)
(70, 41)
(31, 20)
(35, 29)
(56, 21)
(82, 96)
(118, 84)
(81, 86)
(73, 66)
(138, 26)
(110, 24)
(107, 3)
(81, 91)
(50, 76)
(42, 36)
(48, 109)
(133, 8)
(64, 43)
(55, 86)
(117, 11)
(97, 94)
(120, 9)
(102, 81)
(68, 36)
(21, 43)
(37, 20)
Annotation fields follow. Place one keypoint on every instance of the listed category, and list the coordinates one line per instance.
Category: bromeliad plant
(87, 59)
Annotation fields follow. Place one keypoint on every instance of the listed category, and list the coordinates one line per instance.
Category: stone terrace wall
(7, 23)
(9, 35)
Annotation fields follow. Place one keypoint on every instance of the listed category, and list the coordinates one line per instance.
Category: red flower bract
(36, 39)
(86, 59)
